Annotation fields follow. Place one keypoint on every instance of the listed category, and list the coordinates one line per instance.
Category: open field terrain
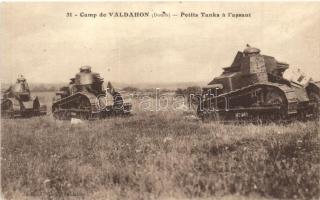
(158, 155)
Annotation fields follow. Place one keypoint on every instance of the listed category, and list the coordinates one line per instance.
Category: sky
(40, 42)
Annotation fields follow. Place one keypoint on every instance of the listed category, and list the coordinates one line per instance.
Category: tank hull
(87, 106)
(15, 108)
(259, 102)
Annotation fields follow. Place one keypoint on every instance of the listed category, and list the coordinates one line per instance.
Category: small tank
(18, 102)
(254, 87)
(86, 98)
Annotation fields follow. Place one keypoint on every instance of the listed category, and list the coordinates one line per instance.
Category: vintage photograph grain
(160, 100)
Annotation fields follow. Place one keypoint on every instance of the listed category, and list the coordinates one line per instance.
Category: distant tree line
(146, 90)
(195, 90)
(41, 87)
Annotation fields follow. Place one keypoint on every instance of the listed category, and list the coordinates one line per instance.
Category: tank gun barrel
(282, 65)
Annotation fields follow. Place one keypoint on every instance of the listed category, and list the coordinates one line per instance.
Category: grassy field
(158, 155)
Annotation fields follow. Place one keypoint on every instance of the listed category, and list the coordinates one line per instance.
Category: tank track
(287, 110)
(69, 107)
(66, 108)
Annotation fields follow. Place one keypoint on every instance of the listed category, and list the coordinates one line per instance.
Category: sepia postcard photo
(160, 100)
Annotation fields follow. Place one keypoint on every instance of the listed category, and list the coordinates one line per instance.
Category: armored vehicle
(86, 98)
(254, 87)
(18, 102)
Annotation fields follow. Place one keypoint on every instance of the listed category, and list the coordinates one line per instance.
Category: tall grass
(158, 155)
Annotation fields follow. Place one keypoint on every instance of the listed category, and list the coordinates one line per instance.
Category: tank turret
(19, 90)
(86, 80)
(250, 67)
(250, 51)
